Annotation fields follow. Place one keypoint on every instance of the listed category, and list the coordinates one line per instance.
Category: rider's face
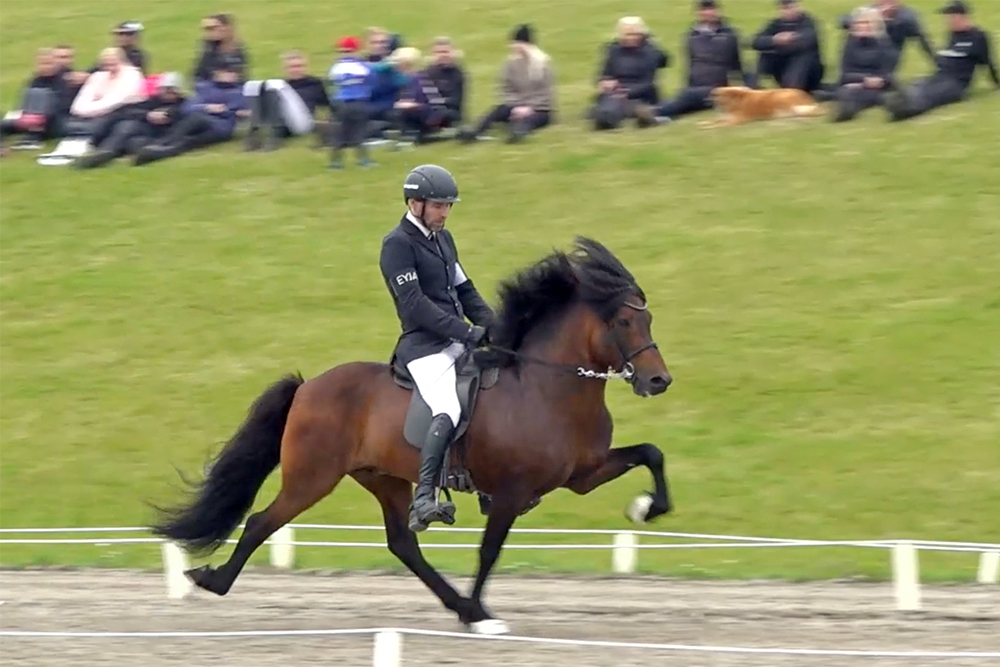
(436, 214)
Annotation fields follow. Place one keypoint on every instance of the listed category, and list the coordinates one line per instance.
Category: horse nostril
(660, 383)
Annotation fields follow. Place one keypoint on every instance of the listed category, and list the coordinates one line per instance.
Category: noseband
(627, 372)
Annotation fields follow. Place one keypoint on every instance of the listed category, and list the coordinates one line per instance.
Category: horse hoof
(638, 510)
(491, 627)
(204, 577)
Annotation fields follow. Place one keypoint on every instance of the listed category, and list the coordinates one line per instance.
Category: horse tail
(227, 492)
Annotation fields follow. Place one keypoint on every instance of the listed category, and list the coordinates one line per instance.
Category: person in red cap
(351, 77)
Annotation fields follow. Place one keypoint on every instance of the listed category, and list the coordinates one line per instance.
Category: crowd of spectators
(383, 90)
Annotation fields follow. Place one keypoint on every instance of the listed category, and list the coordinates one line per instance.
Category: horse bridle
(627, 372)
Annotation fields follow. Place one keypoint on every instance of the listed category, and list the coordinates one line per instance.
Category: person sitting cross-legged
(790, 50)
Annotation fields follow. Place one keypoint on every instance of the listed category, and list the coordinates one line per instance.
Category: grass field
(827, 297)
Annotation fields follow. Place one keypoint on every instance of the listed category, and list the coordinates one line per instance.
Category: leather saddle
(472, 376)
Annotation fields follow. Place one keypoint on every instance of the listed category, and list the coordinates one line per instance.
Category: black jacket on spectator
(157, 103)
(313, 92)
(134, 55)
(68, 93)
(56, 83)
(450, 82)
(864, 57)
(213, 58)
(713, 53)
(966, 51)
(635, 69)
(807, 41)
(904, 25)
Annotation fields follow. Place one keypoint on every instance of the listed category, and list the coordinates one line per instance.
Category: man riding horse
(432, 295)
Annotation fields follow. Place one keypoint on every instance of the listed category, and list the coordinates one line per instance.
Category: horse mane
(590, 273)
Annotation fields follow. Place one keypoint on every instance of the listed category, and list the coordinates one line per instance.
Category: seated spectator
(866, 65)
(284, 107)
(138, 125)
(902, 23)
(713, 50)
(386, 83)
(527, 91)
(351, 78)
(449, 79)
(790, 50)
(127, 39)
(221, 49)
(115, 85)
(207, 118)
(627, 82)
(968, 48)
(420, 110)
(38, 117)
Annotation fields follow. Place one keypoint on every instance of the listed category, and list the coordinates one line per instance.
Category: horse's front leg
(619, 461)
(505, 509)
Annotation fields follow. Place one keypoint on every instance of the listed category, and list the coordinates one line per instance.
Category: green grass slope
(827, 297)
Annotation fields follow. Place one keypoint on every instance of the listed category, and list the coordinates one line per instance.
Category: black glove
(477, 335)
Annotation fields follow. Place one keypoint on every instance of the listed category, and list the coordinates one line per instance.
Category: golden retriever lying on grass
(739, 104)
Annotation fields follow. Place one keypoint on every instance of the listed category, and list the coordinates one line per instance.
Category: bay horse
(563, 325)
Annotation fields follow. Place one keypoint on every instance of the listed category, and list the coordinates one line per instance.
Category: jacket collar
(410, 228)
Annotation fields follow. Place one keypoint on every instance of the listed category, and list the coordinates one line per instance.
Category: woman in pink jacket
(113, 86)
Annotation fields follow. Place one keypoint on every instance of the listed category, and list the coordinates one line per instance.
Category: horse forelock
(542, 292)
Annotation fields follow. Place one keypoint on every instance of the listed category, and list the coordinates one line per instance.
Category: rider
(432, 295)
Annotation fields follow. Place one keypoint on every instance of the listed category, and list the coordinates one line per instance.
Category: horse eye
(625, 323)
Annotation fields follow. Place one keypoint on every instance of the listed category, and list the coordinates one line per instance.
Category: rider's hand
(477, 335)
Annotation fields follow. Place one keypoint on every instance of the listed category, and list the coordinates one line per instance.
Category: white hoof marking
(491, 626)
(639, 508)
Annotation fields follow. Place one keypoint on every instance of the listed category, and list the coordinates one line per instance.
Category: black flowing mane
(590, 273)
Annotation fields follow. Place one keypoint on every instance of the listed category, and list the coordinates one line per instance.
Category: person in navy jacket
(433, 296)
(209, 117)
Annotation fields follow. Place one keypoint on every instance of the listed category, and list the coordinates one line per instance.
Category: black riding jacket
(431, 293)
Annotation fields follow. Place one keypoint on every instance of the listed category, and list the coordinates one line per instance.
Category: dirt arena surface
(640, 609)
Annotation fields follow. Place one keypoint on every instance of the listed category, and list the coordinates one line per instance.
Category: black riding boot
(426, 508)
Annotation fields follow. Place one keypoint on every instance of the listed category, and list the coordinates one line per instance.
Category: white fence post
(624, 554)
(388, 650)
(989, 567)
(906, 576)
(175, 562)
(282, 549)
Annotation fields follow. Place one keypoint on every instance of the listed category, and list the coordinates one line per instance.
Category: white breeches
(435, 378)
(294, 112)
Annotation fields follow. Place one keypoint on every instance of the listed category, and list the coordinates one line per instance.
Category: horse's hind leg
(619, 461)
(301, 488)
(394, 496)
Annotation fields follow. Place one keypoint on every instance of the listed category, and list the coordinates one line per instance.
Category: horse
(563, 326)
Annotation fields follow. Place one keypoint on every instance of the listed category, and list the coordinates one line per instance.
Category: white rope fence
(624, 546)
(387, 650)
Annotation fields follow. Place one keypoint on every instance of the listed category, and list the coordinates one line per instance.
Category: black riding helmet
(430, 182)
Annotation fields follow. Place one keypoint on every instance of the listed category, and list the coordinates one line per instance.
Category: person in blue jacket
(209, 117)
(351, 78)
